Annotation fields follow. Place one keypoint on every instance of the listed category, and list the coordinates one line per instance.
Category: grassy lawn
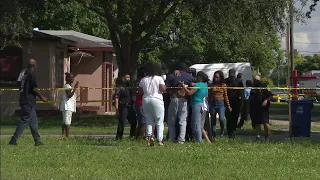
(84, 158)
(98, 125)
(107, 125)
(81, 124)
(103, 158)
(282, 109)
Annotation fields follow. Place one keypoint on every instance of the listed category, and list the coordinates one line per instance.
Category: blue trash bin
(301, 117)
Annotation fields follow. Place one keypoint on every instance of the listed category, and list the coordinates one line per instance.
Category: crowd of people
(184, 100)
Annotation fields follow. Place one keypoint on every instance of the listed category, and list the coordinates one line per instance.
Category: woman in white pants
(152, 87)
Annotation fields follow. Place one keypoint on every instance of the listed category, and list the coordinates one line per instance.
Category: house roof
(83, 41)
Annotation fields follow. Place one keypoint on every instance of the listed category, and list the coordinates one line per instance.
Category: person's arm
(140, 90)
(241, 94)
(35, 89)
(116, 99)
(225, 96)
(70, 92)
(268, 99)
(177, 73)
(270, 95)
(210, 92)
(189, 91)
(162, 85)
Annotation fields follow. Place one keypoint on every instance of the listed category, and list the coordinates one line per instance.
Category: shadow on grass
(77, 120)
(109, 142)
(130, 143)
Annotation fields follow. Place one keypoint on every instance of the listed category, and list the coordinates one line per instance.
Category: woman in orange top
(218, 101)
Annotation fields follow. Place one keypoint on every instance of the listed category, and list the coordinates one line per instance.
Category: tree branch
(135, 23)
(112, 21)
(152, 28)
(85, 4)
(159, 13)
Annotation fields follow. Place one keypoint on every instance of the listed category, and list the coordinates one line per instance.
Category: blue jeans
(28, 118)
(140, 115)
(177, 113)
(214, 108)
(196, 122)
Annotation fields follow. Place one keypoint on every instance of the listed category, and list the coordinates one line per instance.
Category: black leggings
(232, 117)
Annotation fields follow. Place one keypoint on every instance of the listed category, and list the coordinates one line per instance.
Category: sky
(307, 34)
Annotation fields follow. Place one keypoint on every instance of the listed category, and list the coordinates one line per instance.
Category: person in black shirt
(27, 102)
(234, 96)
(189, 135)
(124, 106)
(259, 108)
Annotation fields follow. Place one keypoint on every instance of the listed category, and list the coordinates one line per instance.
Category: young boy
(68, 104)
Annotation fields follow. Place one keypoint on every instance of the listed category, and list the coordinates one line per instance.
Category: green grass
(103, 158)
(92, 125)
(107, 125)
(85, 158)
(81, 124)
(282, 109)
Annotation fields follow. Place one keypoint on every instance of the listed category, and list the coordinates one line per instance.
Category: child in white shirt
(68, 103)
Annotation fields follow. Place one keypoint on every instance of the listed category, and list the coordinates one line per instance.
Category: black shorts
(259, 116)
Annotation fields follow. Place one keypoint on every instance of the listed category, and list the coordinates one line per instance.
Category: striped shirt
(219, 92)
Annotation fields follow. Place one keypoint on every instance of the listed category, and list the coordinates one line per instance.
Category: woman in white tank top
(152, 87)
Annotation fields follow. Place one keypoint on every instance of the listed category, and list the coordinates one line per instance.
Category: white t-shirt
(21, 75)
(68, 104)
(150, 86)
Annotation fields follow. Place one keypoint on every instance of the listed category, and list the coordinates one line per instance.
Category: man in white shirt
(68, 104)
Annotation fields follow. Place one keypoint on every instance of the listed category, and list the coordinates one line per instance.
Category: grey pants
(177, 111)
(28, 117)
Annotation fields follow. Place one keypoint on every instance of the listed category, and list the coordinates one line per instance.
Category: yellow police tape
(54, 102)
(238, 88)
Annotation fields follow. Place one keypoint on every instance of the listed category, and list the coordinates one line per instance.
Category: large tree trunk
(127, 60)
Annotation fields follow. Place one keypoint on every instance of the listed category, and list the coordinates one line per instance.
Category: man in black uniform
(27, 102)
(234, 96)
(124, 106)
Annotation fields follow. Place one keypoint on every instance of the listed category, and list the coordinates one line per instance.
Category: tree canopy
(309, 63)
(166, 31)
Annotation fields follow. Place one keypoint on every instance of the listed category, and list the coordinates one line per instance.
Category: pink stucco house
(90, 59)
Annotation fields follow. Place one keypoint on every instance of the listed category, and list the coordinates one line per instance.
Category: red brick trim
(104, 77)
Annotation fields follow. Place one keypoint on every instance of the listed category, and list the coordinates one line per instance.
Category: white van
(209, 69)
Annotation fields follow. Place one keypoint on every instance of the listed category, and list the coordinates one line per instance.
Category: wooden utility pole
(290, 58)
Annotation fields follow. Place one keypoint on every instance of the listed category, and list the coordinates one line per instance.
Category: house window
(10, 63)
(59, 68)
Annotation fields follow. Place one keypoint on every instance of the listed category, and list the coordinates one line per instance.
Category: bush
(267, 81)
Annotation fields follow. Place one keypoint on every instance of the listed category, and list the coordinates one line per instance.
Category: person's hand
(177, 73)
(76, 85)
(192, 84)
(230, 109)
(182, 84)
(265, 102)
(44, 99)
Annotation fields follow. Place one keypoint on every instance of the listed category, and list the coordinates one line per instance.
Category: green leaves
(70, 15)
(310, 63)
(222, 31)
(16, 17)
